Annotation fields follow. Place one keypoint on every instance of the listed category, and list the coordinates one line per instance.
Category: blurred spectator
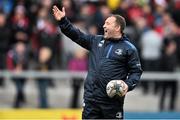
(42, 14)
(176, 17)
(46, 4)
(135, 32)
(123, 10)
(4, 44)
(167, 25)
(87, 11)
(71, 10)
(148, 14)
(151, 45)
(176, 33)
(20, 25)
(134, 11)
(44, 65)
(92, 29)
(101, 14)
(6, 6)
(46, 34)
(77, 63)
(32, 10)
(160, 8)
(168, 64)
(17, 61)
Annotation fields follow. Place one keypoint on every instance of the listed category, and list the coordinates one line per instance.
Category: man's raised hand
(58, 14)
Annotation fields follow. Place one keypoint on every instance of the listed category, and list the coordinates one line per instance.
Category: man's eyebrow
(107, 22)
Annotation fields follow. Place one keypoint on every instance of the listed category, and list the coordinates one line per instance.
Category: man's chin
(106, 37)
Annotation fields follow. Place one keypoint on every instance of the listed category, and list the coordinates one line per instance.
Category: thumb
(63, 10)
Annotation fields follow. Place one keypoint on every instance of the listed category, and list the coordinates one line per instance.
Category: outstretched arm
(70, 31)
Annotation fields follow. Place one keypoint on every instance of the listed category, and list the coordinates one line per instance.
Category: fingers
(55, 8)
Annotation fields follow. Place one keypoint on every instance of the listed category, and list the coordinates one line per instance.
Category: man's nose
(104, 26)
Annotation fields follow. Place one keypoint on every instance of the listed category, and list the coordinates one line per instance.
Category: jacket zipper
(109, 51)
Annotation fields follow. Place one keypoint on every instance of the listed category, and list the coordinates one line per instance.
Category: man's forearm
(75, 34)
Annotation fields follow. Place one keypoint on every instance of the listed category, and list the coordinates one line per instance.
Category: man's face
(110, 27)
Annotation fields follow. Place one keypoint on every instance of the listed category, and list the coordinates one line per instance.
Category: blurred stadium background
(42, 71)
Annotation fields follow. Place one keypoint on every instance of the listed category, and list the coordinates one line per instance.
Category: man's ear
(118, 28)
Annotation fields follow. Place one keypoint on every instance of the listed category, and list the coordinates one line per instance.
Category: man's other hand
(116, 87)
(58, 14)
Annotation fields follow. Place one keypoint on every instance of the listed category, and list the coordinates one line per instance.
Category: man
(111, 57)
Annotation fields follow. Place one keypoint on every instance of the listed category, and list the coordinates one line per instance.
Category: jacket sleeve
(134, 69)
(75, 34)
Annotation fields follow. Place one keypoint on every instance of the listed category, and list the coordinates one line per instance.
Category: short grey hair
(120, 20)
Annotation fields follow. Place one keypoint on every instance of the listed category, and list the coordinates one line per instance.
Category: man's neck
(115, 37)
(119, 36)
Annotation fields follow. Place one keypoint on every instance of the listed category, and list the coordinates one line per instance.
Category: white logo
(118, 51)
(134, 85)
(101, 43)
(138, 64)
(118, 115)
(84, 104)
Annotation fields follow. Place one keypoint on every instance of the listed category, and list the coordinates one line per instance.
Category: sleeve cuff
(62, 21)
(129, 86)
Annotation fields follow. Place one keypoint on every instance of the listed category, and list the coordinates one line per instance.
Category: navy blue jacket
(108, 60)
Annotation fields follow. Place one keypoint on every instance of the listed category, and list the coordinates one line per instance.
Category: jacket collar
(124, 37)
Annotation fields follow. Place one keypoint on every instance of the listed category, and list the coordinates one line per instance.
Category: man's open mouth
(105, 31)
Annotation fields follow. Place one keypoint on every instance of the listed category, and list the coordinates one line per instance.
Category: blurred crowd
(30, 39)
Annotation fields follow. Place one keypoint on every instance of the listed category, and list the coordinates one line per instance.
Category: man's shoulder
(127, 43)
(99, 36)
